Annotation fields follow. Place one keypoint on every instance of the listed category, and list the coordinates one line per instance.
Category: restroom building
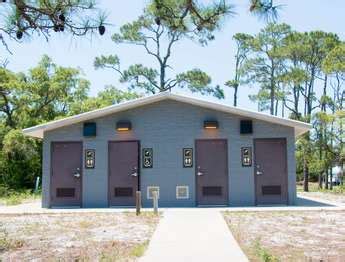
(191, 151)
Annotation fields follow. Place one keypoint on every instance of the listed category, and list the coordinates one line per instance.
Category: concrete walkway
(188, 235)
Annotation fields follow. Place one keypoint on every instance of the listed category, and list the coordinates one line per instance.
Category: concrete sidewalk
(188, 235)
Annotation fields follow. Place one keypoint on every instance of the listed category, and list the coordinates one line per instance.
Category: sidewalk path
(188, 235)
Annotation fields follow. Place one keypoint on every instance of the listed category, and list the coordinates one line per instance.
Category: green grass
(11, 197)
(262, 253)
(139, 250)
(314, 187)
(6, 243)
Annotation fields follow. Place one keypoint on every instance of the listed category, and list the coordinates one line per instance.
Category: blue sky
(217, 59)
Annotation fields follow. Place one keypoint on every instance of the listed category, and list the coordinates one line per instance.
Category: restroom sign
(147, 157)
(246, 153)
(89, 158)
(187, 157)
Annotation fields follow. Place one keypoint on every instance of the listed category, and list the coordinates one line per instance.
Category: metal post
(37, 184)
(138, 202)
(155, 202)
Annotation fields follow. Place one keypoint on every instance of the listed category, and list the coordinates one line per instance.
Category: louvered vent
(182, 192)
(65, 192)
(123, 192)
(150, 190)
(271, 190)
(212, 191)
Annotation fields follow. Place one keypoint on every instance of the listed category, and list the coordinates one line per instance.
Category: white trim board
(38, 131)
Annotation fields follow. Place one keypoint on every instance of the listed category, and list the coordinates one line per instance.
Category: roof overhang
(38, 131)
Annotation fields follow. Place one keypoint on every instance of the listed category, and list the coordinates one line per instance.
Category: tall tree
(157, 33)
(295, 75)
(242, 42)
(266, 66)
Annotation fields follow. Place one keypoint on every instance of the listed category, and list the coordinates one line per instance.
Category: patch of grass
(262, 253)
(314, 187)
(15, 198)
(7, 243)
(139, 250)
(110, 254)
(85, 224)
(119, 251)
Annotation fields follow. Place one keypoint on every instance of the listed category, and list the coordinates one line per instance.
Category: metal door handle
(135, 174)
(77, 175)
(259, 173)
(200, 174)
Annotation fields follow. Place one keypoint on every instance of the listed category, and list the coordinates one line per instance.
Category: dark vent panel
(89, 129)
(271, 190)
(123, 192)
(246, 127)
(212, 191)
(65, 192)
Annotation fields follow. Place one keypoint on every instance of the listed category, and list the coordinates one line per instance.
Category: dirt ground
(75, 237)
(290, 236)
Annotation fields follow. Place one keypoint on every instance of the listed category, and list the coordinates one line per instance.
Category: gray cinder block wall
(168, 127)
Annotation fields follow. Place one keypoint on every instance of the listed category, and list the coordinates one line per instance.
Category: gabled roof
(38, 131)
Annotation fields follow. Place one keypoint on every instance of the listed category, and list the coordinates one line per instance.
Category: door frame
(286, 164)
(138, 170)
(227, 167)
(51, 169)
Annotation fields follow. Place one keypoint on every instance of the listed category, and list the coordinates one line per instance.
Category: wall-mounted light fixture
(208, 124)
(123, 126)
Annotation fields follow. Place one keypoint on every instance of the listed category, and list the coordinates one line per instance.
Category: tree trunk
(320, 180)
(326, 179)
(235, 95)
(342, 174)
(305, 175)
(331, 179)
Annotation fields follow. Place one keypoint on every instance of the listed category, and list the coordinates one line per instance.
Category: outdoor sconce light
(123, 126)
(211, 124)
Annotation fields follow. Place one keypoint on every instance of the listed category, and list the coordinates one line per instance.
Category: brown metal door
(211, 172)
(66, 175)
(123, 172)
(270, 171)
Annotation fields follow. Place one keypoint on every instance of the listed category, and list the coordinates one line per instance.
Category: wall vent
(271, 190)
(89, 129)
(65, 192)
(246, 127)
(182, 192)
(150, 190)
(212, 191)
(123, 192)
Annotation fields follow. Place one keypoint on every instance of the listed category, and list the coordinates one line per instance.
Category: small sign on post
(155, 202)
(138, 202)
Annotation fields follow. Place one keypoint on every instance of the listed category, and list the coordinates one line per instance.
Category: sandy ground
(290, 236)
(75, 237)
